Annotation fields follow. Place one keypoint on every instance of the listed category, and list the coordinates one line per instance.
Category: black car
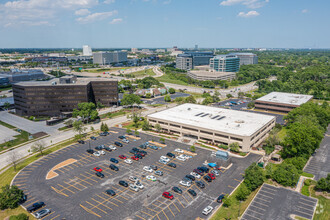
(200, 184)
(103, 134)
(93, 138)
(207, 178)
(154, 167)
(123, 183)
(135, 149)
(169, 154)
(190, 177)
(81, 142)
(177, 189)
(138, 156)
(143, 146)
(98, 147)
(114, 160)
(200, 172)
(192, 192)
(204, 169)
(99, 174)
(122, 137)
(110, 192)
(108, 149)
(114, 167)
(143, 152)
(90, 151)
(172, 165)
(132, 152)
(23, 199)
(118, 144)
(220, 198)
(35, 206)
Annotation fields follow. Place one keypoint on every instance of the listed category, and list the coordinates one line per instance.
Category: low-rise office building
(281, 102)
(17, 75)
(57, 96)
(208, 75)
(246, 58)
(189, 60)
(217, 125)
(106, 58)
(224, 63)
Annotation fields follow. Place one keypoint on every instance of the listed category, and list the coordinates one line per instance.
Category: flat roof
(209, 73)
(80, 81)
(229, 121)
(286, 98)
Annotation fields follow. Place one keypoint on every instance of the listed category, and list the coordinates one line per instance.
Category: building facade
(106, 58)
(184, 63)
(17, 75)
(196, 59)
(281, 102)
(208, 75)
(216, 125)
(87, 51)
(52, 98)
(246, 58)
(225, 63)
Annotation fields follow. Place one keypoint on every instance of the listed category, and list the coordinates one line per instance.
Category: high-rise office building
(197, 59)
(246, 58)
(87, 51)
(196, 47)
(106, 58)
(225, 63)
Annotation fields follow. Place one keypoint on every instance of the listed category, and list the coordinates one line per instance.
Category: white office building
(87, 51)
(106, 58)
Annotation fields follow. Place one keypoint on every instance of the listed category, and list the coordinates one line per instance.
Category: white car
(101, 152)
(163, 161)
(97, 154)
(112, 147)
(178, 150)
(148, 169)
(215, 172)
(184, 183)
(207, 210)
(182, 158)
(133, 178)
(165, 158)
(125, 141)
(186, 156)
(196, 175)
(128, 161)
(150, 177)
(134, 187)
(139, 185)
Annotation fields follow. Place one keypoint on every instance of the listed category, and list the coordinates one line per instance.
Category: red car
(122, 157)
(97, 169)
(134, 158)
(168, 195)
(211, 175)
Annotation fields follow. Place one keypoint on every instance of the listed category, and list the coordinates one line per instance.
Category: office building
(196, 47)
(208, 75)
(281, 102)
(106, 58)
(87, 51)
(4, 81)
(225, 63)
(216, 125)
(62, 95)
(134, 50)
(246, 58)
(160, 50)
(184, 63)
(197, 59)
(17, 75)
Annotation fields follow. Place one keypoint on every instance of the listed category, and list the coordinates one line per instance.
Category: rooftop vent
(189, 109)
(199, 114)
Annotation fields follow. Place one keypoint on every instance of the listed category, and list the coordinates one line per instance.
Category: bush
(10, 197)
(323, 184)
(171, 90)
(192, 148)
(298, 162)
(234, 147)
(223, 146)
(227, 201)
(308, 182)
(286, 175)
(21, 216)
(253, 177)
(243, 192)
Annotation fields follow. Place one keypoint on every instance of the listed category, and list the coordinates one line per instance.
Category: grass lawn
(282, 134)
(322, 209)
(5, 88)
(236, 209)
(167, 79)
(115, 114)
(307, 174)
(106, 69)
(19, 139)
(148, 72)
(304, 190)
(6, 125)
(131, 126)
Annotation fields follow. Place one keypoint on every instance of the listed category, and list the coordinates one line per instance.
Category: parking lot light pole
(89, 144)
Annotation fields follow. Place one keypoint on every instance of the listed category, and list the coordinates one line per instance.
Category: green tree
(227, 201)
(286, 175)
(167, 98)
(207, 100)
(241, 95)
(6, 105)
(146, 126)
(130, 100)
(171, 90)
(192, 148)
(128, 131)
(10, 197)
(253, 177)
(148, 95)
(234, 147)
(135, 120)
(68, 123)
(78, 126)
(99, 105)
(243, 192)
(104, 127)
(162, 140)
(38, 147)
(250, 105)
(86, 110)
(229, 96)
(158, 127)
(190, 99)
(323, 184)
(136, 133)
(206, 94)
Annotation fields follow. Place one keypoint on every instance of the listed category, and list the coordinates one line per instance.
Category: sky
(165, 23)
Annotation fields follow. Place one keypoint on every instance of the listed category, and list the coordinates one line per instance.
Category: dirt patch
(114, 132)
(39, 134)
(158, 144)
(52, 174)
(133, 137)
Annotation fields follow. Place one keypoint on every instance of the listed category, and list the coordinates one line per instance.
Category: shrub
(234, 147)
(21, 216)
(223, 146)
(286, 174)
(253, 177)
(192, 148)
(323, 184)
(243, 192)
(227, 201)
(10, 197)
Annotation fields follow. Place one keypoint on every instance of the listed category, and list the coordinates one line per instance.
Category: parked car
(122, 157)
(204, 169)
(101, 152)
(196, 175)
(134, 187)
(220, 198)
(192, 192)
(35, 206)
(164, 158)
(207, 179)
(162, 161)
(150, 177)
(112, 147)
(144, 152)
(93, 138)
(207, 210)
(97, 154)
(98, 147)
(185, 183)
(191, 177)
(181, 158)
(168, 195)
(103, 134)
(200, 184)
(143, 146)
(169, 154)
(153, 147)
(113, 167)
(90, 151)
(123, 183)
(177, 189)
(114, 160)
(118, 144)
(154, 167)
(108, 149)
(215, 172)
(99, 174)
(110, 192)
(172, 165)
(138, 156)
(148, 169)
(211, 175)
(122, 137)
(159, 173)
(133, 178)
(125, 141)
(97, 169)
(178, 150)
(128, 161)
(198, 171)
(134, 158)
(81, 142)
(41, 213)
(139, 185)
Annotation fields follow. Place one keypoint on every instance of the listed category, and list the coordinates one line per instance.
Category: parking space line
(151, 209)
(264, 195)
(158, 217)
(65, 188)
(237, 180)
(252, 216)
(84, 180)
(59, 192)
(251, 210)
(252, 205)
(107, 200)
(181, 203)
(102, 204)
(140, 217)
(48, 214)
(304, 213)
(115, 198)
(260, 203)
(170, 210)
(55, 217)
(176, 207)
(89, 211)
(268, 192)
(262, 199)
(304, 199)
(95, 206)
(305, 208)
(231, 187)
(185, 198)
(88, 178)
(146, 213)
(72, 186)
(34, 201)
(269, 188)
(156, 206)
(307, 204)
(165, 214)
(77, 182)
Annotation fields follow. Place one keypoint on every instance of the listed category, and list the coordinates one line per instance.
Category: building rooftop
(211, 118)
(286, 98)
(56, 82)
(210, 73)
(224, 56)
(243, 54)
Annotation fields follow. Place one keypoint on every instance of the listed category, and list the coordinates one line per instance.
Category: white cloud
(98, 16)
(109, 1)
(116, 21)
(248, 15)
(247, 3)
(304, 11)
(82, 12)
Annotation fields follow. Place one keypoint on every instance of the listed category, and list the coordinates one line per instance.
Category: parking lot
(279, 203)
(318, 165)
(77, 193)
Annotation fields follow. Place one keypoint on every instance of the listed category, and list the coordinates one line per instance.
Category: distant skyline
(164, 23)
